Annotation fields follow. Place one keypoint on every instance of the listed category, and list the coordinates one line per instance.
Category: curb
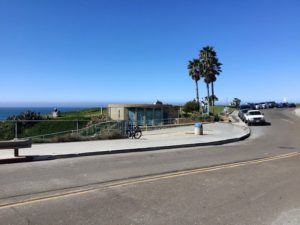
(16, 160)
(110, 152)
(134, 150)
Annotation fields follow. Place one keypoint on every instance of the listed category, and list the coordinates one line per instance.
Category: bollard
(16, 152)
(198, 129)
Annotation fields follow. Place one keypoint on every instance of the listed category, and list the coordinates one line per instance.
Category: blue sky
(86, 52)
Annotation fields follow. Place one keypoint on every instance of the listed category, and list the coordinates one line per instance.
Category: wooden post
(16, 130)
(16, 152)
(77, 127)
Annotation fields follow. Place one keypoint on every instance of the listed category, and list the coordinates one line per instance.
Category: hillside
(67, 121)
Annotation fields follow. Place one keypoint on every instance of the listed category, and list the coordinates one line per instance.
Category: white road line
(289, 121)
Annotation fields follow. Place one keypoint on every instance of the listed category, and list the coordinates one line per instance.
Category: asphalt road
(251, 182)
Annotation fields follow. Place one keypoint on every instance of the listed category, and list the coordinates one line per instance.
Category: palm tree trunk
(197, 92)
(207, 88)
(213, 93)
(197, 95)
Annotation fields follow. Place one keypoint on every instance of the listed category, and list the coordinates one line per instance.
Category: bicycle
(134, 132)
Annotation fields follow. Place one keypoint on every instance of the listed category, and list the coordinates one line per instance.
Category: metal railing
(102, 126)
(163, 123)
(52, 130)
(75, 130)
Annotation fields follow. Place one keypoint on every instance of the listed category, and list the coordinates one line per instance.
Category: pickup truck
(254, 117)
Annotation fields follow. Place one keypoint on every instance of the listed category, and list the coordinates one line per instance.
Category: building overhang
(150, 106)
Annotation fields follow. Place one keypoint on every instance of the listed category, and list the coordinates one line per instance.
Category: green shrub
(7, 130)
(216, 118)
(191, 106)
(199, 116)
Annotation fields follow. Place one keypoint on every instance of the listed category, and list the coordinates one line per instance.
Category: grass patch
(85, 113)
(218, 109)
(47, 127)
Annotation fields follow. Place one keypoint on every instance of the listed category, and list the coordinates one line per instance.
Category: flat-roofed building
(143, 114)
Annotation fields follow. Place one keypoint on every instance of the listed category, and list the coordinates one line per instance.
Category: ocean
(5, 112)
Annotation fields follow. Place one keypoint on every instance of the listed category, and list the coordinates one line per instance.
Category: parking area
(251, 114)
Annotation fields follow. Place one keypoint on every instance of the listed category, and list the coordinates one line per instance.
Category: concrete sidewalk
(297, 112)
(214, 134)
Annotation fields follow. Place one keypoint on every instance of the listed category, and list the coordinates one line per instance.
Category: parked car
(271, 104)
(246, 106)
(258, 106)
(291, 105)
(254, 117)
(242, 113)
(282, 105)
(264, 105)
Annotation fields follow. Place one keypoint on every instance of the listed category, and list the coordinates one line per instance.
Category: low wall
(297, 112)
(190, 120)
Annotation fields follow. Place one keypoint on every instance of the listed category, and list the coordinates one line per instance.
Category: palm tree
(216, 71)
(213, 79)
(194, 72)
(207, 82)
(205, 58)
(236, 102)
(212, 98)
(210, 68)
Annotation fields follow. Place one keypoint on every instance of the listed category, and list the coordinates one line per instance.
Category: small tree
(191, 106)
(212, 98)
(236, 102)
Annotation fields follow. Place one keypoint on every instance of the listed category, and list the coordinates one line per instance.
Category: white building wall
(117, 113)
